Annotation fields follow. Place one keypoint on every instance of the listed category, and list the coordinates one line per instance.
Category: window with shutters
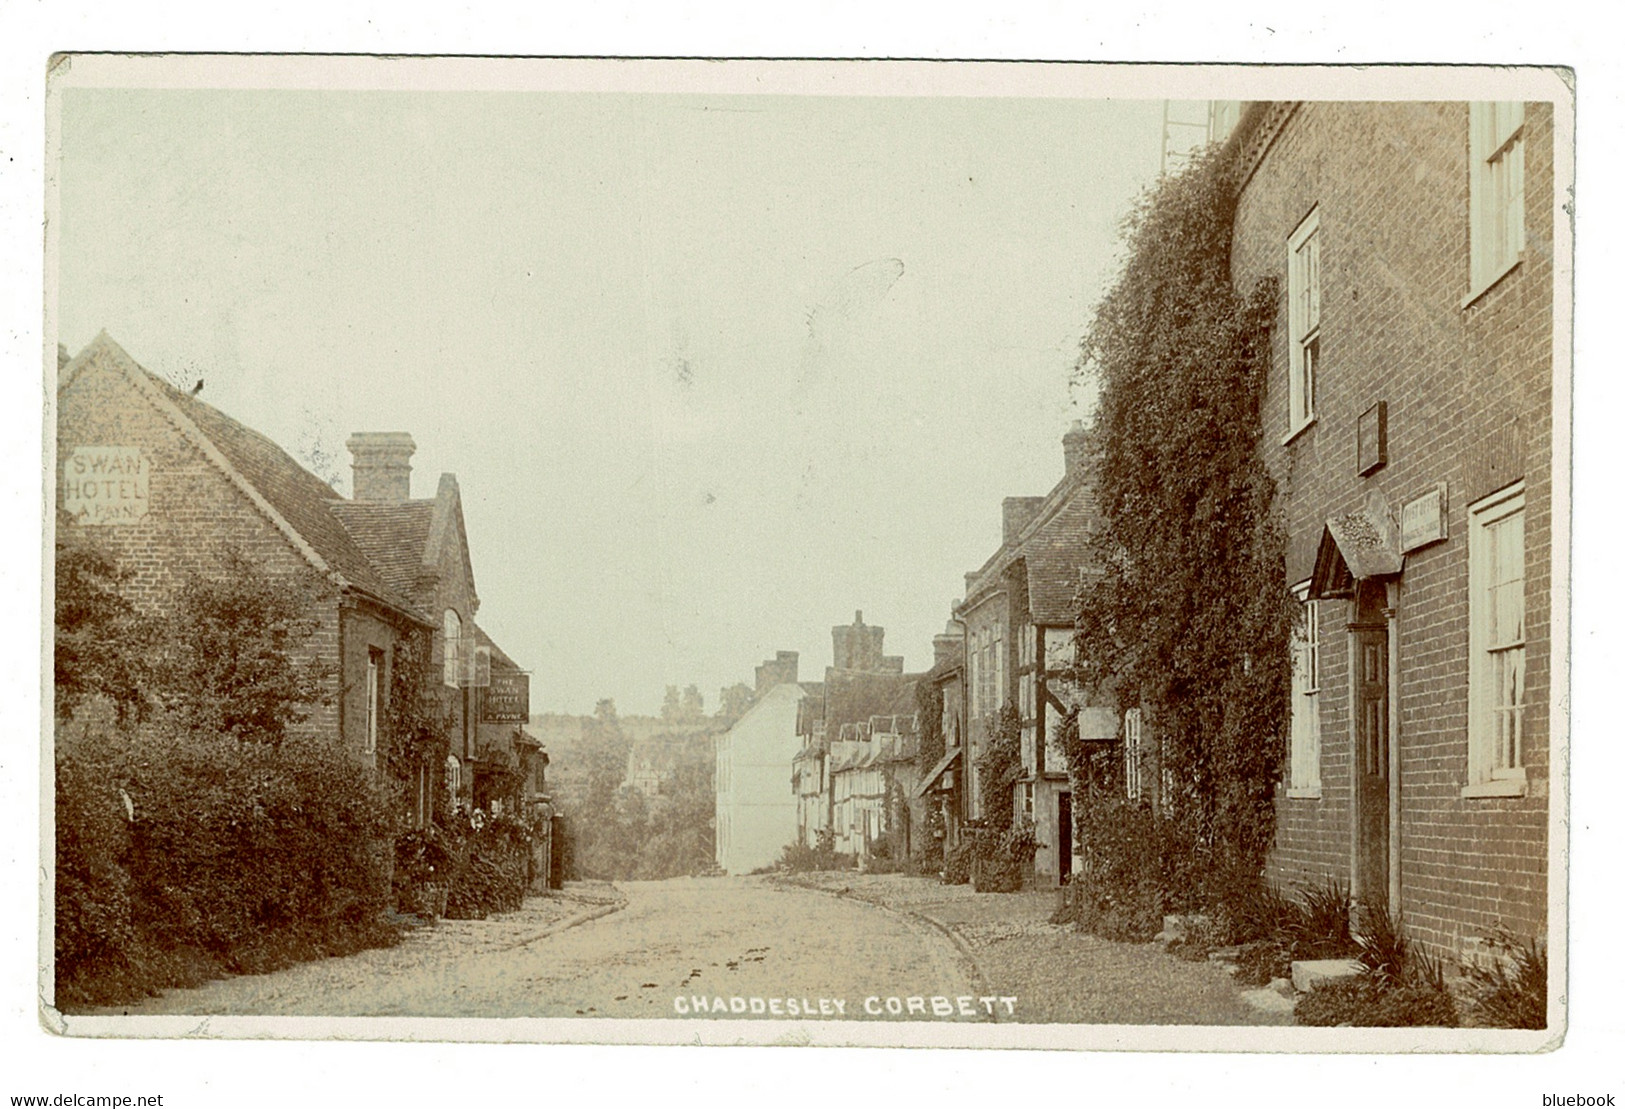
(1495, 191)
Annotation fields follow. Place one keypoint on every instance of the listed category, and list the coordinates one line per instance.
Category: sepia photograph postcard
(892, 553)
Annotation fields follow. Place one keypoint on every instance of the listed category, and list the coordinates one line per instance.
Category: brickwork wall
(1468, 390)
(364, 631)
(449, 585)
(195, 513)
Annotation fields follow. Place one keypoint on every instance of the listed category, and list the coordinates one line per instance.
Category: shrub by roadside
(1399, 985)
(1508, 988)
(183, 856)
(1136, 867)
(464, 867)
(801, 858)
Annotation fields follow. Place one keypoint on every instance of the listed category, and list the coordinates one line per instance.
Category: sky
(713, 371)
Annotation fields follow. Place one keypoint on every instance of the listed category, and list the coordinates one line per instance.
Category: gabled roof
(856, 696)
(294, 500)
(1057, 553)
(393, 536)
(499, 657)
(1356, 546)
(446, 526)
(1054, 545)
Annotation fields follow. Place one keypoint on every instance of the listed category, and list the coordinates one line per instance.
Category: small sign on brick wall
(1424, 520)
(1372, 433)
(105, 485)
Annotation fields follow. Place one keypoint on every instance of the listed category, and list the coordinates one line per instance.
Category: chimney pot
(381, 465)
(1075, 448)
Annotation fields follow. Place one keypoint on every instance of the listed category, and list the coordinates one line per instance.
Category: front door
(1370, 641)
(1063, 837)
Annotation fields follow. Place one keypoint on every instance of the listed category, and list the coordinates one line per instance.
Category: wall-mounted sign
(507, 698)
(1425, 519)
(105, 485)
(1373, 438)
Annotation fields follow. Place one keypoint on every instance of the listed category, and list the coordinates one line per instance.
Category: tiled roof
(393, 536)
(1056, 553)
(499, 657)
(1055, 546)
(301, 498)
(855, 696)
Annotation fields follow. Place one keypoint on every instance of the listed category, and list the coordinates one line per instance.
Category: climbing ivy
(416, 731)
(1189, 618)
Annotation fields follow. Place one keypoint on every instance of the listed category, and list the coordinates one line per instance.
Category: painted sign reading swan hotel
(105, 485)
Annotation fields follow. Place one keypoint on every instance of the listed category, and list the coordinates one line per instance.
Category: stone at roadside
(1267, 1000)
(1180, 928)
(1310, 974)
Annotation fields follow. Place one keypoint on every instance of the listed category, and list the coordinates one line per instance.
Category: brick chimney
(381, 465)
(780, 670)
(1018, 513)
(946, 644)
(1075, 445)
(858, 646)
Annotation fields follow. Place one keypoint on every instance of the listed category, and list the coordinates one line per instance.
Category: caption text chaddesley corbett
(937, 1007)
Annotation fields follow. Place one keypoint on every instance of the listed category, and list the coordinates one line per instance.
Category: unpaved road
(672, 943)
(832, 946)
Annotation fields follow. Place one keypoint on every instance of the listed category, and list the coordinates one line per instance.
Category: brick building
(194, 485)
(1408, 423)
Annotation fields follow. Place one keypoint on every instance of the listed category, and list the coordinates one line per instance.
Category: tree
(687, 707)
(102, 642)
(1190, 618)
(232, 661)
(736, 701)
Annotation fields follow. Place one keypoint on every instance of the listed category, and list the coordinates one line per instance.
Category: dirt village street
(829, 946)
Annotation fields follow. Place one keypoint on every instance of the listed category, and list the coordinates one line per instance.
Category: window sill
(1497, 787)
(1472, 297)
(1303, 793)
(1298, 430)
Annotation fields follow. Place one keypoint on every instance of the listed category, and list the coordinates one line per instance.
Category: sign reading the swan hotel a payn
(105, 485)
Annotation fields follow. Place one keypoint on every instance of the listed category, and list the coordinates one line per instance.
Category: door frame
(1390, 615)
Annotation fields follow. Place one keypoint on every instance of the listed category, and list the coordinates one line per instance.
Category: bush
(799, 858)
(1132, 861)
(1399, 985)
(1509, 989)
(1361, 1002)
(464, 867)
(1181, 357)
(183, 856)
(956, 861)
(1000, 862)
(1314, 926)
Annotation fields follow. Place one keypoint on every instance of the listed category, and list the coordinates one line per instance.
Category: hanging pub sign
(105, 485)
(507, 698)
